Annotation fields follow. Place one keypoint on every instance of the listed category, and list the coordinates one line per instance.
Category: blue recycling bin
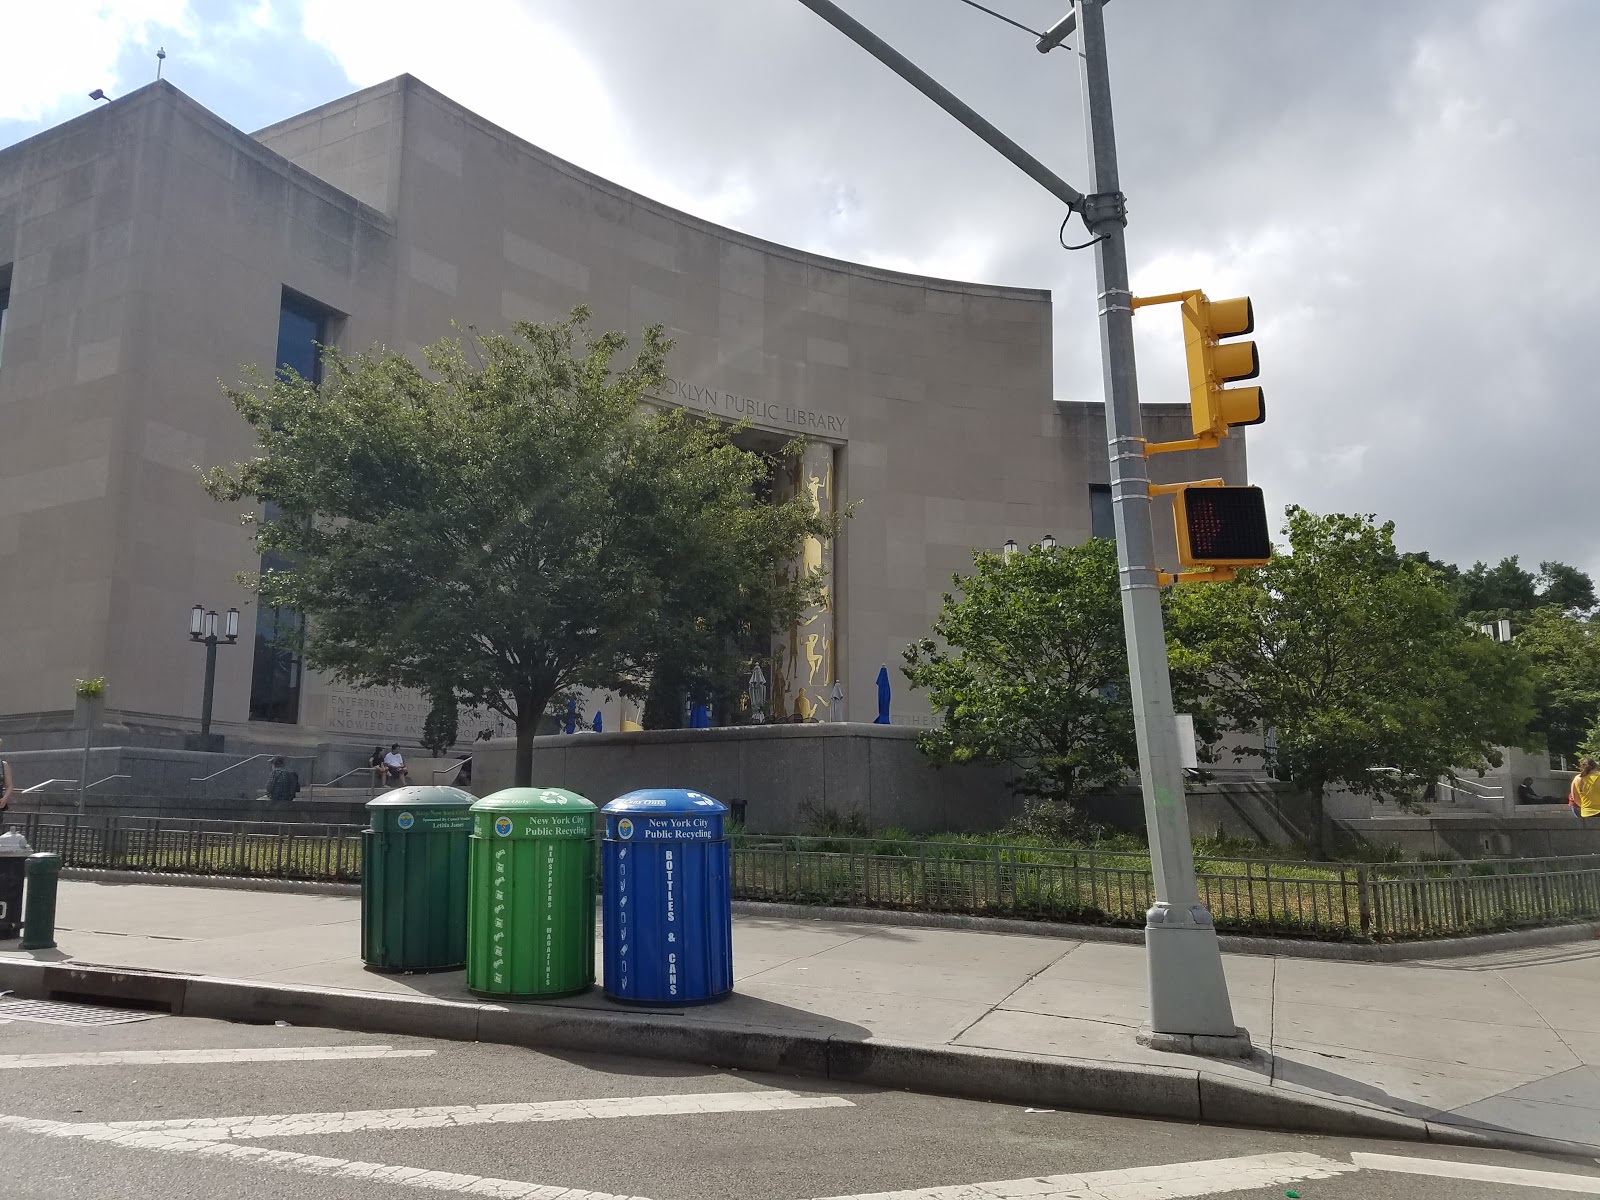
(668, 927)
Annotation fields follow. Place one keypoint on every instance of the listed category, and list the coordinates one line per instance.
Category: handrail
(41, 786)
(347, 774)
(311, 758)
(1482, 790)
(107, 779)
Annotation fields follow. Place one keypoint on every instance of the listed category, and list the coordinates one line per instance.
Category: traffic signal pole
(1188, 994)
(1189, 1007)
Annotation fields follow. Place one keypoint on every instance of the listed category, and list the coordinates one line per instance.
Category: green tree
(512, 519)
(441, 727)
(1356, 659)
(1505, 588)
(1565, 656)
(1028, 667)
(1567, 588)
(1591, 742)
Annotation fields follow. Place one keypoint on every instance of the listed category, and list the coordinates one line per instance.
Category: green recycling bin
(414, 880)
(530, 930)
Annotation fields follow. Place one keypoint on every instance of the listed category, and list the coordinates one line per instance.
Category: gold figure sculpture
(811, 555)
(816, 487)
(814, 660)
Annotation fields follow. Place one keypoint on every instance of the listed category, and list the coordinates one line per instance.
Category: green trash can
(530, 932)
(414, 880)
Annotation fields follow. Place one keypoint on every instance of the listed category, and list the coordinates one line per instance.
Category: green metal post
(40, 873)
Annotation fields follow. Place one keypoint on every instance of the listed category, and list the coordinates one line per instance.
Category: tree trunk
(527, 726)
(1322, 824)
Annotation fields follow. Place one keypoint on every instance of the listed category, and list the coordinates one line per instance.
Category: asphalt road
(668, 1132)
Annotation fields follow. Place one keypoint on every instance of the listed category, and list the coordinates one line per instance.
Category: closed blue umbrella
(700, 717)
(883, 697)
(597, 722)
(572, 714)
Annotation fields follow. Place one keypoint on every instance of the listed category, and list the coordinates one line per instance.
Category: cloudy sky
(1406, 190)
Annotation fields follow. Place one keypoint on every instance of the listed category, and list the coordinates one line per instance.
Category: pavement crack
(998, 1003)
(1577, 1059)
(1272, 1023)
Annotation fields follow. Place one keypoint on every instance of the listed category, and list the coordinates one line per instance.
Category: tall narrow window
(5, 306)
(1102, 524)
(275, 679)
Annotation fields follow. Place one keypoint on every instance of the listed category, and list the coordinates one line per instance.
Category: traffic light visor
(1222, 527)
(1242, 406)
(1231, 318)
(1236, 360)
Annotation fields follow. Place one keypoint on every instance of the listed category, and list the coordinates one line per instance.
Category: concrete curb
(1128, 1089)
(1488, 943)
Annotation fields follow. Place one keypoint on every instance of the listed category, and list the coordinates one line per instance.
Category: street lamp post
(1188, 993)
(203, 629)
(1189, 1006)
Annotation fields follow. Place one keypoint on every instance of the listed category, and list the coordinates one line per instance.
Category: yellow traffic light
(1213, 408)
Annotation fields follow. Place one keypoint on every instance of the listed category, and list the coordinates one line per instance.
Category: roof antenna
(161, 57)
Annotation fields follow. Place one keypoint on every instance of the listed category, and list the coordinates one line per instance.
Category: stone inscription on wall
(398, 713)
(734, 407)
(401, 714)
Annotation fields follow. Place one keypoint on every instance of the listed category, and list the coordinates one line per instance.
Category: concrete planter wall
(780, 771)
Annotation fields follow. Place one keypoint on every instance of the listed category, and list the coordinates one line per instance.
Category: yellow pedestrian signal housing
(1221, 526)
(1213, 408)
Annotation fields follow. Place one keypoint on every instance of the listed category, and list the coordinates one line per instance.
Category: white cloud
(500, 60)
(57, 52)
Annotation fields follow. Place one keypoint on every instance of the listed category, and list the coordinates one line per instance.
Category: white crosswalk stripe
(219, 1138)
(1588, 1185)
(445, 1116)
(1171, 1181)
(262, 1054)
(306, 1164)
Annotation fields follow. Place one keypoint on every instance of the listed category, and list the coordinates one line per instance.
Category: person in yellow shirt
(1585, 794)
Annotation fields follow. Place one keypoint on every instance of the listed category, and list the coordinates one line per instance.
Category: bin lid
(533, 812)
(534, 799)
(658, 801)
(421, 796)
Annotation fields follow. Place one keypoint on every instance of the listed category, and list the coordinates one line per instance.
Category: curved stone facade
(150, 246)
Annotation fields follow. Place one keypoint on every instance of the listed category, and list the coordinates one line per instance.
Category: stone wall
(782, 772)
(1542, 831)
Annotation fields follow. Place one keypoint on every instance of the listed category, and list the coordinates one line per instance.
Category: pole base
(1188, 993)
(1236, 1046)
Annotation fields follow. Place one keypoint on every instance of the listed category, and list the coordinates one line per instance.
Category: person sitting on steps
(394, 767)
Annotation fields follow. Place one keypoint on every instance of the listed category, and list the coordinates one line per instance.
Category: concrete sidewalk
(1502, 1042)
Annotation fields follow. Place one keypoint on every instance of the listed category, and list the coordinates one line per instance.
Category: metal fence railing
(258, 850)
(1376, 901)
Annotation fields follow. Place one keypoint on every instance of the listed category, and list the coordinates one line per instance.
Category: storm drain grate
(50, 1012)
